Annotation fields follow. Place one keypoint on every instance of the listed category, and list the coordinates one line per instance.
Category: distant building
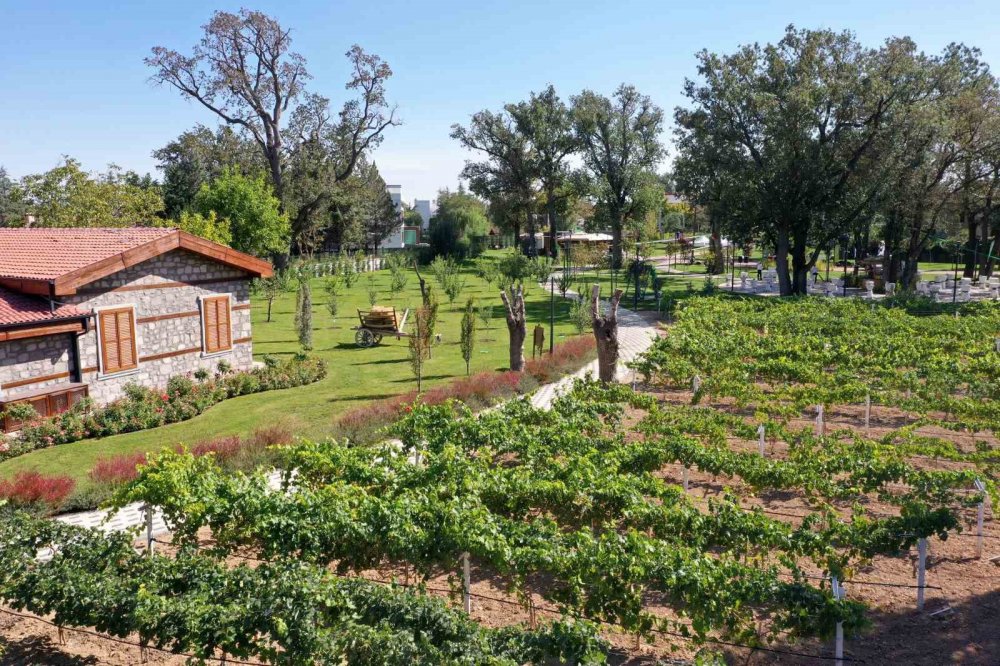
(404, 236)
(426, 210)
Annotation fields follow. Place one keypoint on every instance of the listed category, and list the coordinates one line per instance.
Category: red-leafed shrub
(222, 447)
(32, 488)
(117, 469)
(481, 390)
(275, 435)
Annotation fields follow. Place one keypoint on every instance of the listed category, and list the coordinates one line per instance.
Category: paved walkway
(635, 335)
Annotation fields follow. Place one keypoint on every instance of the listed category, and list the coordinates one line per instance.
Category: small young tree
(454, 284)
(304, 317)
(372, 291)
(419, 343)
(468, 333)
(332, 286)
(605, 333)
(516, 325)
(581, 314)
(348, 269)
(272, 287)
(398, 277)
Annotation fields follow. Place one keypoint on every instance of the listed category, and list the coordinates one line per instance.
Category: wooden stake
(980, 515)
(149, 530)
(466, 583)
(685, 479)
(819, 421)
(760, 439)
(838, 650)
(921, 571)
(868, 413)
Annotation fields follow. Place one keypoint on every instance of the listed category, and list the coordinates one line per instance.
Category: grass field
(355, 375)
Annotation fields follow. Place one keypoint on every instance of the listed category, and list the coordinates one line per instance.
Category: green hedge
(143, 408)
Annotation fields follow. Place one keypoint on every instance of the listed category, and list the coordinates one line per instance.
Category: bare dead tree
(243, 71)
(516, 325)
(605, 333)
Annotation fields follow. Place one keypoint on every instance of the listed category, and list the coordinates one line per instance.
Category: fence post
(921, 571)
(149, 529)
(868, 413)
(760, 439)
(466, 583)
(838, 649)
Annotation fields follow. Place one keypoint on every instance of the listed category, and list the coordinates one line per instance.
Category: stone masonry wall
(34, 357)
(171, 346)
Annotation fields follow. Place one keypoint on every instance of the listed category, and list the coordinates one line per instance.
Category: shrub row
(477, 391)
(143, 408)
(34, 491)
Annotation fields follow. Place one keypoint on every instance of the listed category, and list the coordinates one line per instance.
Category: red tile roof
(17, 309)
(45, 254)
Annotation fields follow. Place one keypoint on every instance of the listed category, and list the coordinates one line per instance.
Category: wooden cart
(376, 323)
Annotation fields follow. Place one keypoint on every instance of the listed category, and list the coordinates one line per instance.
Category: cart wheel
(378, 338)
(364, 338)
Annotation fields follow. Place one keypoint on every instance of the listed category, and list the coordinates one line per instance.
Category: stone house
(84, 312)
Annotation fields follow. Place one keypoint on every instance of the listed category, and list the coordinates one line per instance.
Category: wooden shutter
(216, 320)
(118, 350)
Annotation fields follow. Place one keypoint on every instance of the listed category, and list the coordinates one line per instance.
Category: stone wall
(170, 284)
(46, 356)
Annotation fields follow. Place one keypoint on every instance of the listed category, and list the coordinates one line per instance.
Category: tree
(257, 224)
(210, 227)
(795, 140)
(304, 318)
(333, 288)
(420, 343)
(605, 333)
(620, 143)
(199, 156)
(516, 325)
(505, 178)
(547, 124)
(272, 287)
(459, 221)
(13, 206)
(468, 339)
(68, 196)
(244, 72)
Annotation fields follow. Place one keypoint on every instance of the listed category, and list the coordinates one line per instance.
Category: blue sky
(72, 80)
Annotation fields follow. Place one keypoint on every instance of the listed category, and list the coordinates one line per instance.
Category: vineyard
(617, 526)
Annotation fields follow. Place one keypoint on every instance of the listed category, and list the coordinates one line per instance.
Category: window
(215, 322)
(117, 333)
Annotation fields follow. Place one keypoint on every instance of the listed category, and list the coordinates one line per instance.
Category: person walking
(760, 271)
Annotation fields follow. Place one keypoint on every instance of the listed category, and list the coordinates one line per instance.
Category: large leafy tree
(256, 222)
(244, 72)
(795, 140)
(199, 156)
(547, 124)
(68, 196)
(506, 176)
(620, 141)
(460, 218)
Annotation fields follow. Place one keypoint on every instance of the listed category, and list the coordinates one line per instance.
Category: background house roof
(17, 309)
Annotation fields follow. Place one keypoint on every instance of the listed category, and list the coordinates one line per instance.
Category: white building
(425, 208)
(404, 236)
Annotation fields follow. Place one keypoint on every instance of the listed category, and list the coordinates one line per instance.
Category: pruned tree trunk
(516, 326)
(605, 333)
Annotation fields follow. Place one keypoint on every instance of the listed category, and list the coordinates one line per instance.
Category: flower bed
(36, 492)
(143, 408)
(478, 391)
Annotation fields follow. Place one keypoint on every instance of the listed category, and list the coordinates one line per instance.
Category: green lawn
(355, 375)
(674, 286)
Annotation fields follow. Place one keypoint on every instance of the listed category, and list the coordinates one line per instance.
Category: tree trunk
(800, 267)
(617, 251)
(605, 333)
(516, 326)
(781, 262)
(972, 235)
